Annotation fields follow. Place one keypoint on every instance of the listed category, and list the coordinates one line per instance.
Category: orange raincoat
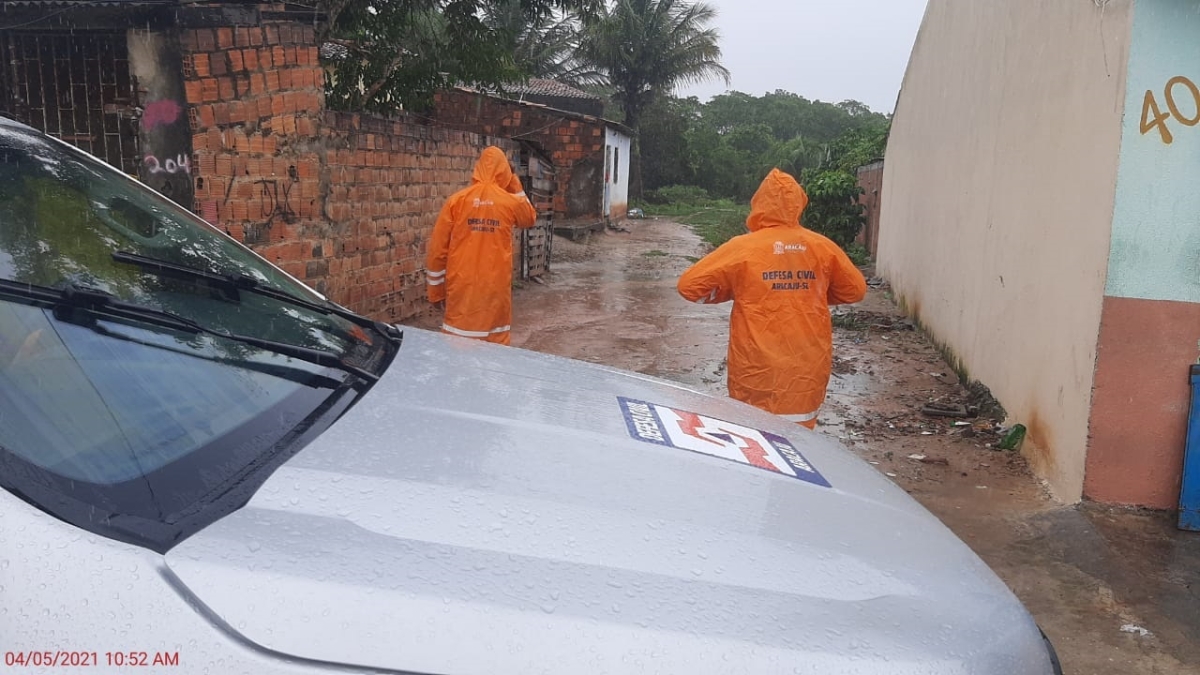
(470, 251)
(782, 277)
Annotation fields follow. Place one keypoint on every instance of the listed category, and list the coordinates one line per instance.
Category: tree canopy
(393, 53)
(647, 48)
(547, 47)
(398, 53)
(727, 145)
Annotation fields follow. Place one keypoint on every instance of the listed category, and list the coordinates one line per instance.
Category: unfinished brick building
(590, 154)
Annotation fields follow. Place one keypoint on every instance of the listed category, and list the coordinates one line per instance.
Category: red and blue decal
(674, 428)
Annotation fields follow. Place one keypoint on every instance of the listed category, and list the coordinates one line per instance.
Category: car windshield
(130, 412)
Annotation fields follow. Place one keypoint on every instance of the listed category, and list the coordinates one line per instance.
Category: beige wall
(998, 203)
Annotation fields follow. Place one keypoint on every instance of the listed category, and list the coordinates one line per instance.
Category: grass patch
(715, 220)
(656, 254)
(716, 228)
(859, 255)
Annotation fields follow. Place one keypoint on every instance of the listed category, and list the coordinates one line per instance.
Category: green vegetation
(728, 144)
(703, 161)
(859, 255)
(647, 48)
(698, 162)
(833, 208)
(655, 253)
(720, 229)
(546, 47)
(385, 55)
(715, 220)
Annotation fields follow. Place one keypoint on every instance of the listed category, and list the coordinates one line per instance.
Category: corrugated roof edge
(540, 86)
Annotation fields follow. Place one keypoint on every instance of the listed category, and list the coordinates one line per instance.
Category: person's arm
(439, 252)
(846, 283)
(709, 281)
(524, 215)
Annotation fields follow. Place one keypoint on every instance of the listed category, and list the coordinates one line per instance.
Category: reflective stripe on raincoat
(782, 277)
(469, 264)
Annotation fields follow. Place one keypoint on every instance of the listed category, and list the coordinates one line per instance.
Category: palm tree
(543, 46)
(648, 48)
(795, 156)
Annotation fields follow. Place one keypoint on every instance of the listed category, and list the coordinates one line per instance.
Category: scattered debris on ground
(1136, 630)
(945, 410)
(843, 366)
(865, 320)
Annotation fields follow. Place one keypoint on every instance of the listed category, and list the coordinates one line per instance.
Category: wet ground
(1117, 591)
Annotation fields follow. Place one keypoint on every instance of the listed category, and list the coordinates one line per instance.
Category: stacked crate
(532, 247)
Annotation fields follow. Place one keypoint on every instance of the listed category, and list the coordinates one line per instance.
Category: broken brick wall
(345, 203)
(574, 144)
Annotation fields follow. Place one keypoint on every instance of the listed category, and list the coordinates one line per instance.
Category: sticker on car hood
(674, 428)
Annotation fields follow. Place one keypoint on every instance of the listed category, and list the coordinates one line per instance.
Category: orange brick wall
(342, 202)
(566, 139)
(387, 181)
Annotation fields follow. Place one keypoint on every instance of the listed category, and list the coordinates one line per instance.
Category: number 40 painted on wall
(1153, 117)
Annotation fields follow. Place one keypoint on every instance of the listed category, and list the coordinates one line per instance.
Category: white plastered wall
(998, 201)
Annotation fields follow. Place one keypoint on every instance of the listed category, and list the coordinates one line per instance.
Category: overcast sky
(830, 50)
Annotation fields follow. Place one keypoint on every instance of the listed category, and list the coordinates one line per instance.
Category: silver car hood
(488, 510)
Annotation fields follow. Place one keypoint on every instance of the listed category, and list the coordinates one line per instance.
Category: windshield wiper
(236, 282)
(96, 302)
(289, 373)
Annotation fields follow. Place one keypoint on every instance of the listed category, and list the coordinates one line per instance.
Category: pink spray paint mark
(159, 113)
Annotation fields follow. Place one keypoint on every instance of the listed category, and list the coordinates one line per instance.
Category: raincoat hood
(778, 202)
(492, 168)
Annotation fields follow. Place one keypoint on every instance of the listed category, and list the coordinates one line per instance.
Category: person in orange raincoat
(469, 265)
(782, 277)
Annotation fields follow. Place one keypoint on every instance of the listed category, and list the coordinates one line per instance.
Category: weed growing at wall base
(859, 255)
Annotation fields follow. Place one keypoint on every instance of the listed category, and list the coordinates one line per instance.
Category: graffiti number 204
(1178, 90)
(180, 163)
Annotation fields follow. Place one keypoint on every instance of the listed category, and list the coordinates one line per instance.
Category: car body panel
(486, 509)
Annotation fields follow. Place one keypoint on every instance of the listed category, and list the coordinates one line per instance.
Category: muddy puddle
(613, 301)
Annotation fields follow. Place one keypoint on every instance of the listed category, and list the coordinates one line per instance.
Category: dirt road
(1115, 590)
